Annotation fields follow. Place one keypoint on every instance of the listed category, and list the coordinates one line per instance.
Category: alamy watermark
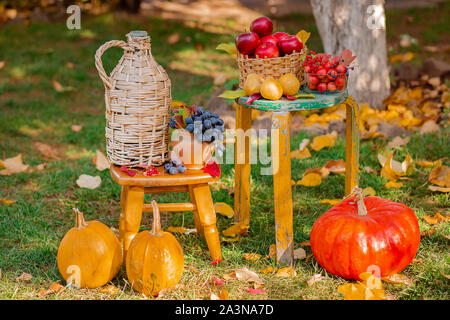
(74, 20)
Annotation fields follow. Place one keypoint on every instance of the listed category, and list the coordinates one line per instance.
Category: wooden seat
(193, 181)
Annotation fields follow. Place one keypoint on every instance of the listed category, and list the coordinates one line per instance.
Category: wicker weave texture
(275, 67)
(137, 98)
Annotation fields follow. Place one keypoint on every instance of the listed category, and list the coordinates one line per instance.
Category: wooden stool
(193, 181)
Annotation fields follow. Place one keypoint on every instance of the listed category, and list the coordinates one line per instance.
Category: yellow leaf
(440, 176)
(323, 141)
(236, 229)
(6, 201)
(322, 171)
(13, 165)
(176, 104)
(233, 94)
(428, 164)
(234, 239)
(310, 180)
(393, 185)
(223, 295)
(266, 270)
(286, 272)
(176, 229)
(440, 189)
(331, 201)
(305, 244)
(369, 191)
(402, 57)
(224, 209)
(336, 166)
(303, 36)
(112, 290)
(370, 288)
(230, 48)
(251, 256)
(300, 154)
(437, 218)
(444, 235)
(398, 279)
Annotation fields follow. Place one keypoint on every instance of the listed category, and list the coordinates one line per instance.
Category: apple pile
(261, 43)
(325, 72)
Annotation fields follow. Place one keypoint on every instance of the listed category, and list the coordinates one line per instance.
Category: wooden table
(282, 164)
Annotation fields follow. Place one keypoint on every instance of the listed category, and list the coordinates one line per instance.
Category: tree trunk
(358, 25)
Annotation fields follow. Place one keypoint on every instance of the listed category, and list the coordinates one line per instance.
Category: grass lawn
(32, 111)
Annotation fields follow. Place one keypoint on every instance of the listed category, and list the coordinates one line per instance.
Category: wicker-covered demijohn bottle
(138, 98)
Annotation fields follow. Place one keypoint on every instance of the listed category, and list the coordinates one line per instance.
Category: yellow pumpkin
(154, 259)
(89, 255)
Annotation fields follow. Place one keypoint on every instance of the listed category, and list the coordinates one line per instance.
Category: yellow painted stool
(193, 181)
(281, 160)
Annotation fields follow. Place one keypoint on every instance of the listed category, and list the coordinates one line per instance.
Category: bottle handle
(98, 59)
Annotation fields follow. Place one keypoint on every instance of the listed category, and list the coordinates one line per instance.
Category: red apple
(322, 73)
(331, 86)
(262, 26)
(340, 83)
(327, 65)
(290, 44)
(322, 87)
(247, 42)
(270, 38)
(313, 80)
(281, 35)
(267, 50)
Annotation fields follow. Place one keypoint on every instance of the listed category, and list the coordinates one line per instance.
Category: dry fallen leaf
(233, 239)
(70, 65)
(266, 270)
(173, 38)
(440, 176)
(369, 191)
(336, 166)
(24, 277)
(223, 295)
(310, 180)
(314, 279)
(398, 142)
(256, 291)
(393, 185)
(398, 279)
(76, 128)
(46, 150)
(13, 165)
(300, 154)
(89, 182)
(436, 219)
(100, 161)
(273, 251)
(305, 244)
(299, 254)
(428, 164)
(324, 141)
(59, 87)
(2, 64)
(428, 232)
(181, 230)
(174, 288)
(112, 290)
(429, 126)
(371, 288)
(440, 189)
(251, 256)
(54, 288)
(245, 274)
(237, 229)
(286, 272)
(331, 201)
(322, 171)
(6, 201)
(224, 209)
(417, 260)
(445, 236)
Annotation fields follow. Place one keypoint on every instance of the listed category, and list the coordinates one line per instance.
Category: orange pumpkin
(365, 234)
(154, 259)
(90, 254)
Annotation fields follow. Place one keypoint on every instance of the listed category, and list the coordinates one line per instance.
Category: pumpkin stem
(358, 192)
(80, 223)
(156, 229)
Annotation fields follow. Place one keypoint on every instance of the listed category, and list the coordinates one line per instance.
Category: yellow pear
(290, 84)
(253, 83)
(271, 89)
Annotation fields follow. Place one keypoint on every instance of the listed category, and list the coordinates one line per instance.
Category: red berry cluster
(325, 73)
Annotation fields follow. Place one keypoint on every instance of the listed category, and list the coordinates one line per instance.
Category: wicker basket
(138, 98)
(275, 67)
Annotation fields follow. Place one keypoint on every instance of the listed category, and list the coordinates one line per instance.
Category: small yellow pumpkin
(89, 255)
(154, 259)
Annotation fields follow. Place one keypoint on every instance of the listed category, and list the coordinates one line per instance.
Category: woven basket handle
(98, 59)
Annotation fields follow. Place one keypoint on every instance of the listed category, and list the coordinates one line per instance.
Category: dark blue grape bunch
(174, 167)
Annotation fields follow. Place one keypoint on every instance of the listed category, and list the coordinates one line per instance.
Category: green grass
(31, 110)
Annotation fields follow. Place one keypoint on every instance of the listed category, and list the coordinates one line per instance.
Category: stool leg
(242, 166)
(130, 218)
(207, 216)
(198, 224)
(352, 145)
(281, 158)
